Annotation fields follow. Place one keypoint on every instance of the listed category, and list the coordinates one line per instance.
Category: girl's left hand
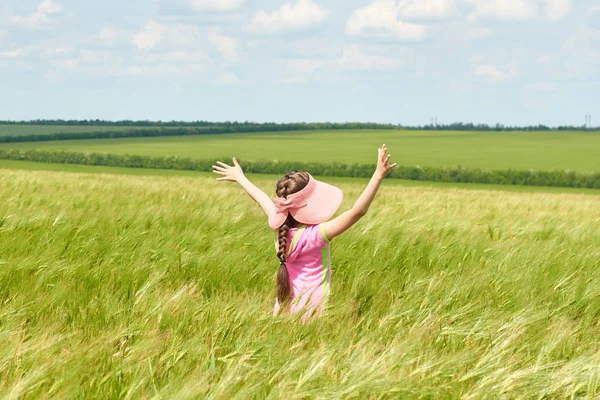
(383, 162)
(232, 174)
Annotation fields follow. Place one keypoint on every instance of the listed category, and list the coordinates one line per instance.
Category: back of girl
(300, 215)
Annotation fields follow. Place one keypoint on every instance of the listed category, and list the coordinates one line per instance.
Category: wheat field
(162, 287)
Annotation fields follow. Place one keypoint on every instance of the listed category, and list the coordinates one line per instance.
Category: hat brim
(321, 205)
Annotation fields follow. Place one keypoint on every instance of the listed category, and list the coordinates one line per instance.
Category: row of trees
(254, 126)
(507, 177)
(193, 124)
(166, 131)
(461, 126)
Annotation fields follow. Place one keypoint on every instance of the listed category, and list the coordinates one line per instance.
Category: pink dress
(309, 267)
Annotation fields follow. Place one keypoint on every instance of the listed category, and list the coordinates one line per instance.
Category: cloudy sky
(406, 61)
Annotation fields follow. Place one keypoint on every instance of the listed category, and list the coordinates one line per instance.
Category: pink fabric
(314, 204)
(309, 269)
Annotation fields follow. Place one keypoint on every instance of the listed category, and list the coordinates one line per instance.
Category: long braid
(284, 289)
(286, 186)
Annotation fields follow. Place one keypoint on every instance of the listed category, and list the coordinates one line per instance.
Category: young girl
(300, 215)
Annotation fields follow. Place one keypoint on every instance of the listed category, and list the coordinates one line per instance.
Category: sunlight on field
(140, 286)
(547, 151)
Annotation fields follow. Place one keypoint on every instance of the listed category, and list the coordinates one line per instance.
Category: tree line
(455, 126)
(164, 131)
(433, 174)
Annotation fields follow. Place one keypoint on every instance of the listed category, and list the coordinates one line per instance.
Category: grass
(23, 130)
(577, 151)
(151, 286)
(38, 166)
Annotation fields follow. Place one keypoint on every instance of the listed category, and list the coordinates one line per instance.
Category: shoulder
(315, 235)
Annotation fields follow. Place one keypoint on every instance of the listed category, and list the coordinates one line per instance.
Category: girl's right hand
(230, 173)
(383, 165)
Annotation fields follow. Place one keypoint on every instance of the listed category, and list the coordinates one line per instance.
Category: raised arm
(235, 174)
(341, 224)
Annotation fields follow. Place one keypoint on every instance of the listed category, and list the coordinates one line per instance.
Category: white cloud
(354, 58)
(505, 9)
(427, 9)
(108, 33)
(381, 19)
(301, 15)
(556, 9)
(154, 33)
(216, 5)
(148, 37)
(387, 14)
(304, 65)
(299, 70)
(48, 7)
(68, 64)
(517, 10)
(55, 51)
(12, 53)
(496, 73)
(39, 17)
(227, 46)
(193, 62)
(88, 63)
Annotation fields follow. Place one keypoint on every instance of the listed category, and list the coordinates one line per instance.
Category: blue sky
(397, 61)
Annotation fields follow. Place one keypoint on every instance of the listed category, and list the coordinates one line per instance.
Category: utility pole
(588, 121)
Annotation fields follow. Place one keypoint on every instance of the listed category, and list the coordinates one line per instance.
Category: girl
(300, 215)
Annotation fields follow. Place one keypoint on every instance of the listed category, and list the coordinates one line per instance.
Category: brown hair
(289, 184)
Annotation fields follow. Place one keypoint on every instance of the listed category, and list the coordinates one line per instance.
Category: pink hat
(314, 204)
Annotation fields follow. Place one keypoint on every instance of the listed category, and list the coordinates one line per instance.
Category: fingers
(219, 168)
(235, 162)
(222, 164)
(222, 179)
(220, 172)
(393, 165)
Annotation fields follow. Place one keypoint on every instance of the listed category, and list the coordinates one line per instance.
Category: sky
(516, 62)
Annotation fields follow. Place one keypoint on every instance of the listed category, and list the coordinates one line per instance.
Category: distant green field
(24, 130)
(576, 151)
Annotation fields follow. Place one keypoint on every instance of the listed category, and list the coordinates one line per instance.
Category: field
(40, 166)
(545, 151)
(167, 291)
(22, 130)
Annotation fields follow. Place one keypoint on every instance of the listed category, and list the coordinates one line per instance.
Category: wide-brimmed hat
(314, 204)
